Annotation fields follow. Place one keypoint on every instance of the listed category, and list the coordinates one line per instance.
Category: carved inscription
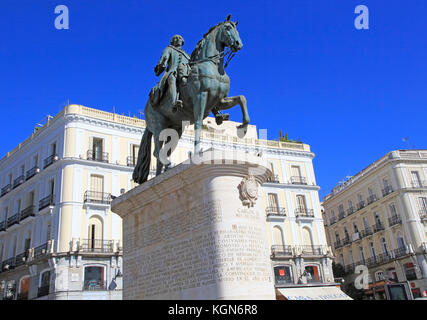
(184, 251)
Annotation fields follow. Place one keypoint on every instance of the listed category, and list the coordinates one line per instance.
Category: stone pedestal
(198, 231)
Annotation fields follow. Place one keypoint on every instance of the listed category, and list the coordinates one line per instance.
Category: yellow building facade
(378, 218)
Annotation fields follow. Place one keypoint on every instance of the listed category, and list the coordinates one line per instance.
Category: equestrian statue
(190, 88)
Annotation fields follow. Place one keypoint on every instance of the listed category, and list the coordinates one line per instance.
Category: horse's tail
(142, 168)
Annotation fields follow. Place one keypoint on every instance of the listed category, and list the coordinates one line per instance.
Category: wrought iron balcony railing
(18, 181)
(97, 246)
(46, 202)
(97, 197)
(418, 184)
(28, 212)
(423, 213)
(393, 220)
(311, 250)
(350, 211)
(6, 189)
(332, 221)
(32, 172)
(275, 211)
(131, 161)
(387, 190)
(372, 198)
(280, 251)
(341, 215)
(40, 251)
(346, 241)
(12, 220)
(49, 160)
(298, 180)
(338, 244)
(304, 212)
(97, 156)
(8, 264)
(360, 205)
(273, 179)
(378, 227)
(2, 226)
(21, 259)
(366, 232)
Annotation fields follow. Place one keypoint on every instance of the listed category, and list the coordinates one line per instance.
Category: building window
(379, 276)
(94, 278)
(10, 290)
(410, 271)
(422, 201)
(391, 274)
(384, 245)
(95, 234)
(283, 275)
(24, 287)
(273, 202)
(415, 179)
(43, 289)
(312, 274)
(362, 255)
(277, 236)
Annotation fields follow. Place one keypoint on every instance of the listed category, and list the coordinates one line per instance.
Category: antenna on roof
(406, 139)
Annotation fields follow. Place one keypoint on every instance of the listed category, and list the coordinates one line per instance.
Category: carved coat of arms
(248, 191)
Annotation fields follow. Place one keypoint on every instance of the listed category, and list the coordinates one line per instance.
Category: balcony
(43, 291)
(341, 215)
(5, 190)
(423, 213)
(40, 251)
(360, 205)
(3, 226)
(274, 178)
(46, 202)
(418, 184)
(12, 220)
(366, 233)
(96, 197)
(21, 259)
(18, 181)
(275, 211)
(97, 246)
(346, 241)
(28, 212)
(332, 221)
(298, 180)
(281, 251)
(8, 264)
(400, 252)
(338, 244)
(378, 227)
(304, 212)
(49, 160)
(311, 250)
(131, 161)
(350, 211)
(387, 190)
(394, 220)
(372, 198)
(97, 156)
(32, 172)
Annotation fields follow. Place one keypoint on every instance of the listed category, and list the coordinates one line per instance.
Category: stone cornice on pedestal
(209, 164)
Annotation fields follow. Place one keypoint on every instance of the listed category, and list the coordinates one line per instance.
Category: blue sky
(304, 68)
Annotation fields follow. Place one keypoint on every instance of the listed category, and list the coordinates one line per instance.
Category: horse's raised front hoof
(242, 130)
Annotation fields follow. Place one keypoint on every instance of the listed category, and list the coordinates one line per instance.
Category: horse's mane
(196, 51)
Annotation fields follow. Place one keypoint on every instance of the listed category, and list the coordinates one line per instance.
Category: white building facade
(60, 240)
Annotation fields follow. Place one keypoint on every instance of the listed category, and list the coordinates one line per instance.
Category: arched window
(306, 237)
(312, 274)
(95, 233)
(24, 286)
(277, 236)
(44, 285)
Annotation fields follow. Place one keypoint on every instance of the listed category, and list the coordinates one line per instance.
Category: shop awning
(312, 293)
